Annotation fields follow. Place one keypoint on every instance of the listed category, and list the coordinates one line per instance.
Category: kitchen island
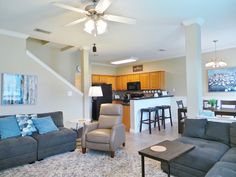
(136, 104)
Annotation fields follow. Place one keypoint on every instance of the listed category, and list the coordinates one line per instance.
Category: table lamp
(94, 92)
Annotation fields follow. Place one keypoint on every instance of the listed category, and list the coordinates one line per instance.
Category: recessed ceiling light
(118, 62)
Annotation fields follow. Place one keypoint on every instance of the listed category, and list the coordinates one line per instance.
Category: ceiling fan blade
(103, 5)
(76, 21)
(119, 19)
(68, 7)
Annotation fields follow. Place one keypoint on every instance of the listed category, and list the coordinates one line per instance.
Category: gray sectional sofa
(21, 150)
(214, 154)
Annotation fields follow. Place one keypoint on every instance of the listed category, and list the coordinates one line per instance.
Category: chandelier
(215, 63)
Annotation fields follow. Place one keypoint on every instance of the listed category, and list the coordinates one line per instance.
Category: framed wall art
(222, 80)
(19, 89)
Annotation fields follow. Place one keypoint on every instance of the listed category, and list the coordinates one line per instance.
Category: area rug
(91, 164)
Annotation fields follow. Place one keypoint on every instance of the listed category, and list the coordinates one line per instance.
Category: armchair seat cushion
(99, 136)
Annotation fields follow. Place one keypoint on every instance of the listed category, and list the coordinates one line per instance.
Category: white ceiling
(158, 26)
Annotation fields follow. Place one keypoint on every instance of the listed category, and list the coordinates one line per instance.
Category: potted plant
(212, 102)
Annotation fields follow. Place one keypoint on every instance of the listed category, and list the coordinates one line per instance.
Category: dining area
(215, 110)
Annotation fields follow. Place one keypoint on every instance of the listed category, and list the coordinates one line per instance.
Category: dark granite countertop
(143, 98)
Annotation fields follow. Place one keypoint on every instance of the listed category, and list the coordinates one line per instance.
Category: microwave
(133, 86)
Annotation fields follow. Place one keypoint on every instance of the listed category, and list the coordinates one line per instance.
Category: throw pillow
(218, 131)
(195, 128)
(9, 127)
(26, 124)
(44, 125)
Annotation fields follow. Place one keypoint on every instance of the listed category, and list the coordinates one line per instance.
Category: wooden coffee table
(173, 150)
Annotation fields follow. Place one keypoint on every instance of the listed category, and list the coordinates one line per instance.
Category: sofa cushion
(99, 136)
(108, 121)
(222, 169)
(195, 128)
(229, 156)
(55, 138)
(233, 134)
(203, 156)
(13, 147)
(57, 117)
(218, 131)
(9, 127)
(44, 125)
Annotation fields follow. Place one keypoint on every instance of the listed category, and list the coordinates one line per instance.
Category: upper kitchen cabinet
(124, 82)
(95, 78)
(144, 80)
(107, 79)
(133, 78)
(118, 83)
(157, 80)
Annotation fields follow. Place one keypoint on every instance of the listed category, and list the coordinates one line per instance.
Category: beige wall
(63, 63)
(102, 69)
(52, 92)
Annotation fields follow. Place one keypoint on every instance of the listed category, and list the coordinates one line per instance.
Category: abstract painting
(19, 89)
(222, 80)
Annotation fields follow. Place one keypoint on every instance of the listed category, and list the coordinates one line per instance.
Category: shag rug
(91, 164)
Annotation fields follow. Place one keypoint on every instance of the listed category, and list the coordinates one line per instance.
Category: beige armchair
(108, 133)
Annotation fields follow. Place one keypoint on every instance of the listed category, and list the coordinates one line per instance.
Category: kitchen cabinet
(135, 77)
(118, 83)
(126, 117)
(124, 82)
(149, 80)
(157, 80)
(144, 80)
(126, 114)
(130, 78)
(95, 78)
(105, 79)
(154, 80)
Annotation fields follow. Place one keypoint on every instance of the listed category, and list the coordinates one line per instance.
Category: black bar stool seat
(163, 116)
(149, 120)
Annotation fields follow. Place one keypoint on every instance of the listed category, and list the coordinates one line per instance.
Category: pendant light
(94, 48)
(215, 63)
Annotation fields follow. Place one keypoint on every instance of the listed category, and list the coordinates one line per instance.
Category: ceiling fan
(95, 16)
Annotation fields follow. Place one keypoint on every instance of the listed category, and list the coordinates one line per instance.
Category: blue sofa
(22, 150)
(214, 154)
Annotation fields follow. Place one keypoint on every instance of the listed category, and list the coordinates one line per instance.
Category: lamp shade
(95, 91)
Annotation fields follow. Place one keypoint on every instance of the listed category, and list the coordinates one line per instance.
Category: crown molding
(14, 34)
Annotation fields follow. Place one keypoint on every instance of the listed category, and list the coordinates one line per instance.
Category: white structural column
(85, 82)
(193, 66)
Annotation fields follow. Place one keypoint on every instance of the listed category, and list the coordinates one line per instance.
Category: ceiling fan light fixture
(89, 26)
(101, 26)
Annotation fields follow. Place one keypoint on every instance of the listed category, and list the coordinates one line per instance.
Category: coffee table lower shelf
(173, 150)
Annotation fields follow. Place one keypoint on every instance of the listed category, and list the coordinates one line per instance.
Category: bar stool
(163, 116)
(148, 121)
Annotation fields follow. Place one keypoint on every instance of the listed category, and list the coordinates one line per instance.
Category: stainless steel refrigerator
(106, 98)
